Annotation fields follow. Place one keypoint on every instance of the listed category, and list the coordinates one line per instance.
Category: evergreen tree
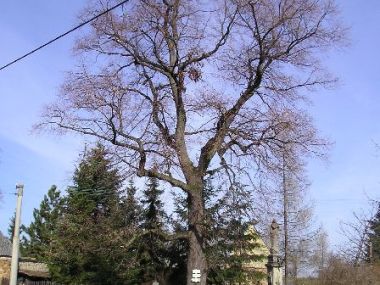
(374, 235)
(96, 184)
(132, 208)
(131, 215)
(153, 212)
(11, 227)
(152, 258)
(10, 230)
(177, 257)
(178, 247)
(89, 243)
(232, 239)
(41, 232)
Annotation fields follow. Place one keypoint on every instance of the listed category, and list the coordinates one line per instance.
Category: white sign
(196, 276)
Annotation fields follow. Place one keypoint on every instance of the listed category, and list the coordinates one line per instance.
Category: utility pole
(16, 236)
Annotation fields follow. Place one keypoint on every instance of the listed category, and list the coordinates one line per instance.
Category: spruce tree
(374, 235)
(40, 233)
(152, 250)
(88, 246)
(131, 211)
(96, 184)
(178, 247)
(232, 239)
(153, 212)
(11, 227)
(131, 207)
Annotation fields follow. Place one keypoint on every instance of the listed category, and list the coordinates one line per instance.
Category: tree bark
(196, 257)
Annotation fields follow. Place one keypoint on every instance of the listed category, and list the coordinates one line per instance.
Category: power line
(63, 35)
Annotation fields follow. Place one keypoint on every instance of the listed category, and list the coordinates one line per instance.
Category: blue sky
(348, 115)
(37, 161)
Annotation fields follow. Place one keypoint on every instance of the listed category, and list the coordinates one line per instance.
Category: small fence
(5, 281)
(42, 282)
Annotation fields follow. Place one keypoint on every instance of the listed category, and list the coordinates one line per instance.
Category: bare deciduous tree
(296, 212)
(356, 234)
(321, 252)
(184, 89)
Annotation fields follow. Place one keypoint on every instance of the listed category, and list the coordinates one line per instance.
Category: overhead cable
(63, 35)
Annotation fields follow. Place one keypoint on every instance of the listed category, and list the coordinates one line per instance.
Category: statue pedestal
(274, 270)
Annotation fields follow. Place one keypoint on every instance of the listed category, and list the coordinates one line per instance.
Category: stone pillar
(274, 263)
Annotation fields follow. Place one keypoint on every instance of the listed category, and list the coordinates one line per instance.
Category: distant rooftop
(5, 246)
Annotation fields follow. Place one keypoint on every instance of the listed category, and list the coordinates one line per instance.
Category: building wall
(26, 267)
(260, 265)
(5, 267)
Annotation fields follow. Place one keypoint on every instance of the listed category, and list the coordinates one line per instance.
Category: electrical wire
(63, 35)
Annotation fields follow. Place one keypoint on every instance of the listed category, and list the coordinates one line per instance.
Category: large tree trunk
(196, 257)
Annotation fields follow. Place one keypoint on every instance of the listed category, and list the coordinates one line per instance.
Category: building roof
(27, 266)
(5, 246)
